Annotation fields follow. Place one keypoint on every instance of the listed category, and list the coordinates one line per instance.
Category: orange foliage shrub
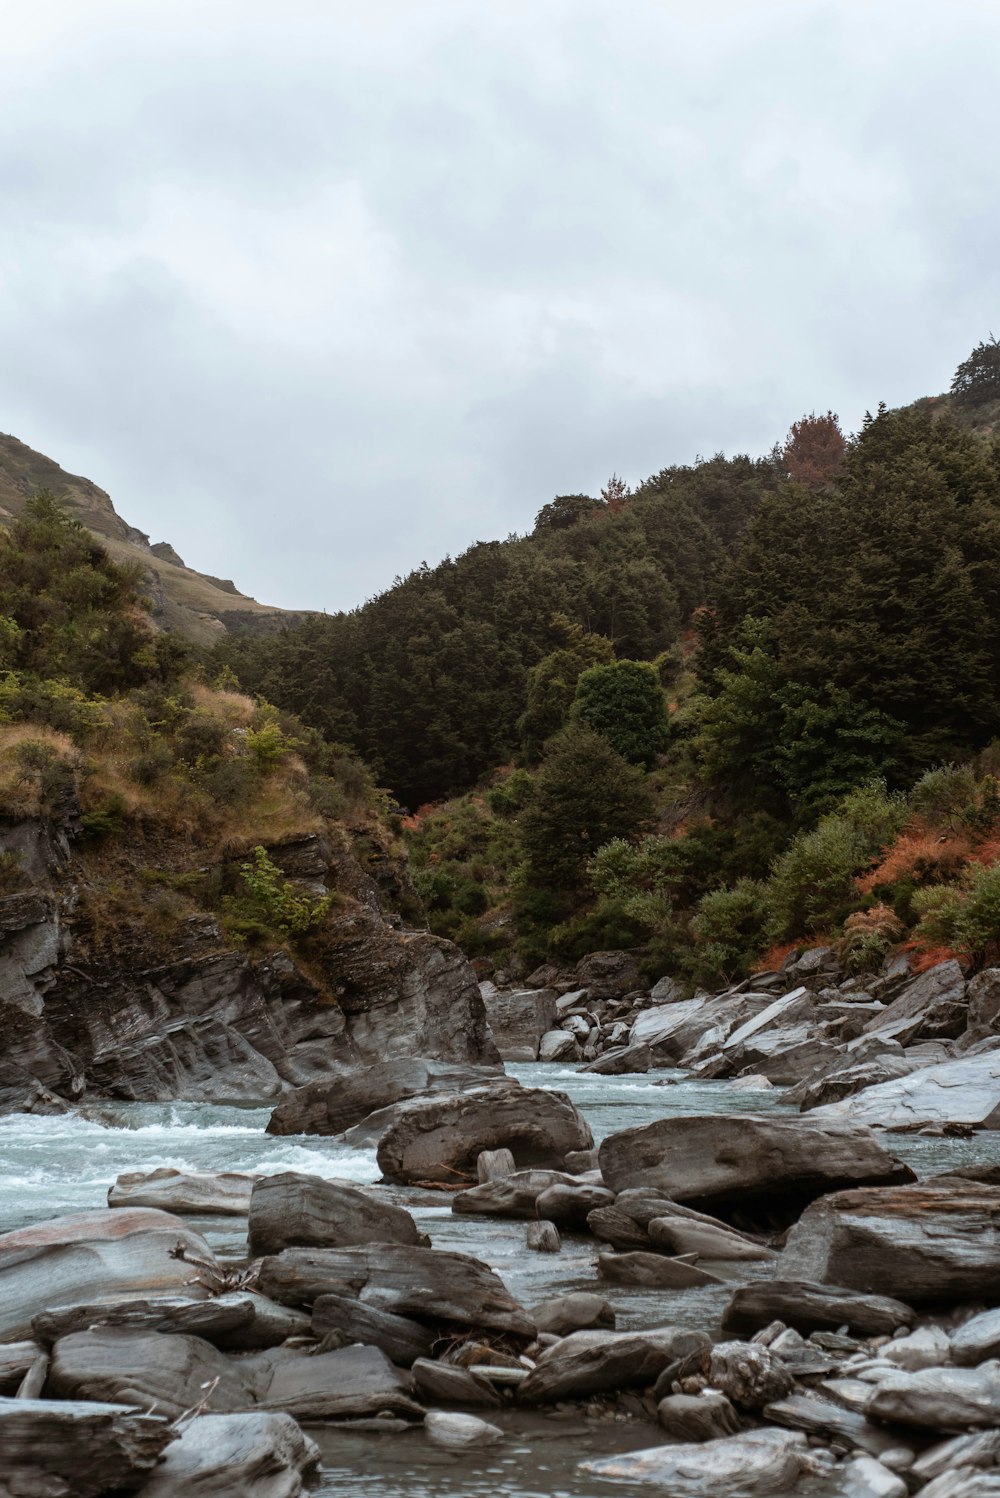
(774, 957)
(922, 958)
(919, 855)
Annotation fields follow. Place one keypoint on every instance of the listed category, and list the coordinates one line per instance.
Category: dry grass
(234, 708)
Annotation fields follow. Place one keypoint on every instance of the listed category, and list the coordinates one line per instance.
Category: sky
(319, 291)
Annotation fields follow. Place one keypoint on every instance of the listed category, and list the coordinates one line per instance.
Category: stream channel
(52, 1166)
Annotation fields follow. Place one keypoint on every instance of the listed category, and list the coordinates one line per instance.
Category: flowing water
(51, 1166)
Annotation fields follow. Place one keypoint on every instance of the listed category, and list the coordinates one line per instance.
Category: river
(51, 1166)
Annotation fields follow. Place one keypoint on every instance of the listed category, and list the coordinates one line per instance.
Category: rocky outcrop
(333, 1107)
(963, 1091)
(202, 1020)
(253, 1455)
(518, 1018)
(100, 1448)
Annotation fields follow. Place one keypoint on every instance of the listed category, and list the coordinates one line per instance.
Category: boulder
(756, 1464)
(333, 1107)
(944, 1399)
(716, 1159)
(925, 1243)
(927, 1347)
(984, 1000)
(292, 1210)
(254, 1455)
(663, 1026)
(616, 1227)
(750, 1375)
(811, 1307)
(439, 1138)
(15, 1360)
(443, 1383)
(578, 1310)
(697, 1417)
(494, 1165)
(87, 1450)
(936, 1000)
(340, 1320)
(794, 1008)
(170, 1372)
(94, 1257)
(558, 1045)
(679, 1235)
(543, 1238)
(456, 1432)
(608, 975)
(185, 1192)
(595, 1362)
(840, 1427)
(621, 1061)
(965, 1091)
(975, 1451)
(423, 1283)
(351, 1383)
(667, 991)
(512, 1196)
(842, 1082)
(217, 1320)
(653, 1270)
(518, 1018)
(568, 1206)
(866, 1477)
(976, 1339)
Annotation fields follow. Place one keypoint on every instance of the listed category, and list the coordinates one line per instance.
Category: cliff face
(86, 1014)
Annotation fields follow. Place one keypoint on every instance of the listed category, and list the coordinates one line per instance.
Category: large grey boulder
(340, 1320)
(457, 1432)
(919, 1243)
(664, 1026)
(577, 1310)
(350, 1383)
(87, 1450)
(292, 1210)
(679, 1235)
(936, 1000)
(334, 1106)
(622, 1061)
(810, 1307)
(593, 1362)
(514, 1195)
(756, 1464)
(185, 1192)
(944, 1399)
(558, 1045)
(518, 1018)
(976, 1339)
(845, 1081)
(172, 1373)
(608, 975)
(984, 1000)
(94, 1257)
(654, 1271)
(423, 1283)
(254, 1455)
(239, 1320)
(965, 1091)
(719, 1159)
(443, 1383)
(439, 1138)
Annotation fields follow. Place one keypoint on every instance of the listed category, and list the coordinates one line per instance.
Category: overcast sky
(320, 290)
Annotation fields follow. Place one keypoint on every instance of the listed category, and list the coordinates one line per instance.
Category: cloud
(318, 291)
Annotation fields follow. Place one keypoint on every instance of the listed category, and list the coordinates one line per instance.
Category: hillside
(185, 601)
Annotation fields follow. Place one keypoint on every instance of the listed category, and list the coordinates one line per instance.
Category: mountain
(190, 603)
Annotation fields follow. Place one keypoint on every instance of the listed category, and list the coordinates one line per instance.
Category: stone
(748, 1374)
(351, 1383)
(662, 1026)
(292, 1210)
(513, 1195)
(440, 1138)
(616, 1227)
(679, 1235)
(927, 1347)
(864, 1477)
(98, 1448)
(518, 1018)
(936, 1000)
(812, 1307)
(622, 1061)
(984, 1000)
(343, 1320)
(568, 1206)
(214, 1319)
(667, 991)
(653, 1270)
(253, 1455)
(15, 1360)
(170, 1372)
(944, 1399)
(608, 975)
(844, 1429)
(204, 1193)
(756, 1464)
(845, 1081)
(455, 1432)
(494, 1165)
(577, 1310)
(710, 1160)
(596, 1362)
(423, 1283)
(963, 1091)
(697, 1417)
(94, 1257)
(558, 1045)
(445, 1384)
(543, 1238)
(979, 1450)
(579, 1162)
(333, 1107)
(976, 1339)
(922, 1243)
(792, 1008)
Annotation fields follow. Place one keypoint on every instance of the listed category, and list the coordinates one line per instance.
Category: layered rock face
(215, 1023)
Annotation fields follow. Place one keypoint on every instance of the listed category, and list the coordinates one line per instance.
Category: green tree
(551, 684)
(977, 378)
(624, 702)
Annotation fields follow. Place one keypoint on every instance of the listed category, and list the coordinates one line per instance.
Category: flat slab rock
(96, 1447)
(759, 1462)
(423, 1283)
(348, 1384)
(810, 1307)
(512, 1195)
(93, 1257)
(440, 1138)
(715, 1159)
(653, 1270)
(150, 1369)
(294, 1210)
(242, 1319)
(348, 1320)
(945, 1399)
(966, 1090)
(335, 1105)
(185, 1192)
(253, 1455)
(920, 1243)
(593, 1362)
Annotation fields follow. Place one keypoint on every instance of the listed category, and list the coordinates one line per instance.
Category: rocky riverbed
(537, 1281)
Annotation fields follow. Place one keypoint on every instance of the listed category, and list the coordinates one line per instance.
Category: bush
(868, 937)
(274, 901)
(729, 927)
(624, 703)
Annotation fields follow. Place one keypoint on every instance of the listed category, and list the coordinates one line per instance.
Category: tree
(814, 450)
(551, 684)
(566, 510)
(616, 494)
(585, 795)
(977, 378)
(624, 702)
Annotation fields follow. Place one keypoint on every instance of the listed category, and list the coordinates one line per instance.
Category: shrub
(868, 936)
(728, 927)
(273, 900)
(624, 703)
